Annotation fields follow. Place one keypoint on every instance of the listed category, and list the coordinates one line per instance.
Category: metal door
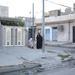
(74, 34)
(47, 34)
(13, 36)
(54, 34)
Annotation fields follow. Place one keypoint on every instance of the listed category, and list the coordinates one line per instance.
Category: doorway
(54, 33)
(73, 34)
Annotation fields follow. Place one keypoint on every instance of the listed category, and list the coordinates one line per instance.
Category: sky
(24, 7)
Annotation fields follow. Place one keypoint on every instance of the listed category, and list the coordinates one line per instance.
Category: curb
(60, 46)
(19, 67)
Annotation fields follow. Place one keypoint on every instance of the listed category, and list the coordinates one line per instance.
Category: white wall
(63, 35)
(67, 34)
(10, 39)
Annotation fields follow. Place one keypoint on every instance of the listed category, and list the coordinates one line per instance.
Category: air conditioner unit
(60, 28)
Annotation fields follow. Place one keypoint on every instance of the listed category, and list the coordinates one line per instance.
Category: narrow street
(59, 48)
(63, 71)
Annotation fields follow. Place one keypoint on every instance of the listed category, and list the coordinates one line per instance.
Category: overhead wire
(56, 4)
(59, 4)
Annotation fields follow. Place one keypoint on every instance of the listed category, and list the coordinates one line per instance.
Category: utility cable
(59, 4)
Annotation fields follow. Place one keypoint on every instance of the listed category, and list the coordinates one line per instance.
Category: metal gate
(74, 34)
(47, 34)
(13, 36)
(54, 33)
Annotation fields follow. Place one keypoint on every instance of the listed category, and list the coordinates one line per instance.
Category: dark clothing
(39, 42)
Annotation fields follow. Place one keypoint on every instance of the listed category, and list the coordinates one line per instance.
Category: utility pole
(43, 25)
(33, 22)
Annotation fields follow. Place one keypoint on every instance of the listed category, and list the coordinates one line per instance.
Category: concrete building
(58, 12)
(4, 11)
(59, 28)
(53, 13)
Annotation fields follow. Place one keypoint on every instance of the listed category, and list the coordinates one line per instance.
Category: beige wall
(63, 35)
(58, 19)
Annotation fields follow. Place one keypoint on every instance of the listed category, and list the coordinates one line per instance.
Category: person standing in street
(31, 43)
(39, 41)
